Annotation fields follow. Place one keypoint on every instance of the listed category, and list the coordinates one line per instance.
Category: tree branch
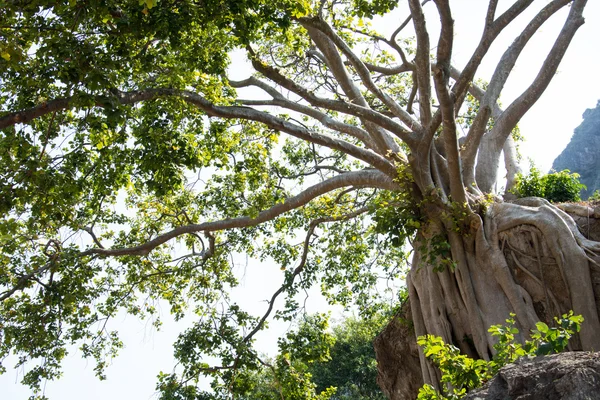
(363, 72)
(441, 78)
(23, 280)
(487, 168)
(491, 12)
(423, 70)
(367, 178)
(395, 70)
(503, 70)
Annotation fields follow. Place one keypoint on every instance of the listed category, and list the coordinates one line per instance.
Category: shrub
(556, 187)
(595, 197)
(461, 373)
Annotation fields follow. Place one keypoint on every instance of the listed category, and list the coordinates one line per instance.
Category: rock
(587, 218)
(566, 376)
(399, 369)
(582, 154)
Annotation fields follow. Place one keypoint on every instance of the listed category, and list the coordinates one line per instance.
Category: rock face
(582, 154)
(397, 353)
(566, 376)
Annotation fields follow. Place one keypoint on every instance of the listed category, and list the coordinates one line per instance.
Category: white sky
(547, 129)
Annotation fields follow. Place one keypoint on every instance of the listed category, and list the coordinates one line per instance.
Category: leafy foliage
(352, 368)
(288, 375)
(555, 187)
(311, 364)
(461, 373)
(595, 197)
(132, 174)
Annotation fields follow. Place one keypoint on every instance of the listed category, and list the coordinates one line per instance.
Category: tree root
(528, 258)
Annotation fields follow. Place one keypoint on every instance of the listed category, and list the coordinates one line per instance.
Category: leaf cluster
(461, 373)
(314, 362)
(396, 214)
(438, 252)
(556, 187)
(370, 8)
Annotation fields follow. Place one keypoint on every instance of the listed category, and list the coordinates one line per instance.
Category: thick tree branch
(395, 70)
(491, 13)
(363, 72)
(361, 112)
(502, 72)
(468, 155)
(423, 157)
(234, 112)
(366, 178)
(423, 70)
(511, 164)
(490, 34)
(488, 165)
(521, 105)
(442, 79)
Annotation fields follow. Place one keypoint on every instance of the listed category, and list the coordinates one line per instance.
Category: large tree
(341, 135)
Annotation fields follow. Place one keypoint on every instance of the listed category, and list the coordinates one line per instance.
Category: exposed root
(527, 258)
(568, 247)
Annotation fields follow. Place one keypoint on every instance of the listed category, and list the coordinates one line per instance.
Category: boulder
(399, 369)
(565, 376)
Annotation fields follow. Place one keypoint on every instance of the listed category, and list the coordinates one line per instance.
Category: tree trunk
(526, 257)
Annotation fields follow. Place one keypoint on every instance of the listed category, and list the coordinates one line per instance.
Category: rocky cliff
(566, 376)
(582, 154)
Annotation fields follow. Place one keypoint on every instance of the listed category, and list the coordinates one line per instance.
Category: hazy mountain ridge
(582, 154)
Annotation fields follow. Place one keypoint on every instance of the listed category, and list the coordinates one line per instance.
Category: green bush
(595, 197)
(556, 187)
(461, 373)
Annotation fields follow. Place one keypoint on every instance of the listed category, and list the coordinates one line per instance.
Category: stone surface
(582, 154)
(566, 376)
(399, 370)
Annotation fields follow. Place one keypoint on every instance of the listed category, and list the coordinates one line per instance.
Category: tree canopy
(338, 148)
(337, 365)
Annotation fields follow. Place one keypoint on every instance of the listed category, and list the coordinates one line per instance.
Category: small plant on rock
(461, 373)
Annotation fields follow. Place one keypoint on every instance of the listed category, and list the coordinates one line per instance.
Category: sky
(547, 128)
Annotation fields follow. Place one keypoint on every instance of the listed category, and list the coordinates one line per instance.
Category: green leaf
(542, 327)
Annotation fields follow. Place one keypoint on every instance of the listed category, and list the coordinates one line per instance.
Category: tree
(110, 109)
(352, 368)
(338, 365)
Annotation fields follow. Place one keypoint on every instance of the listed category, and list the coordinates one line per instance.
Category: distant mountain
(582, 154)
